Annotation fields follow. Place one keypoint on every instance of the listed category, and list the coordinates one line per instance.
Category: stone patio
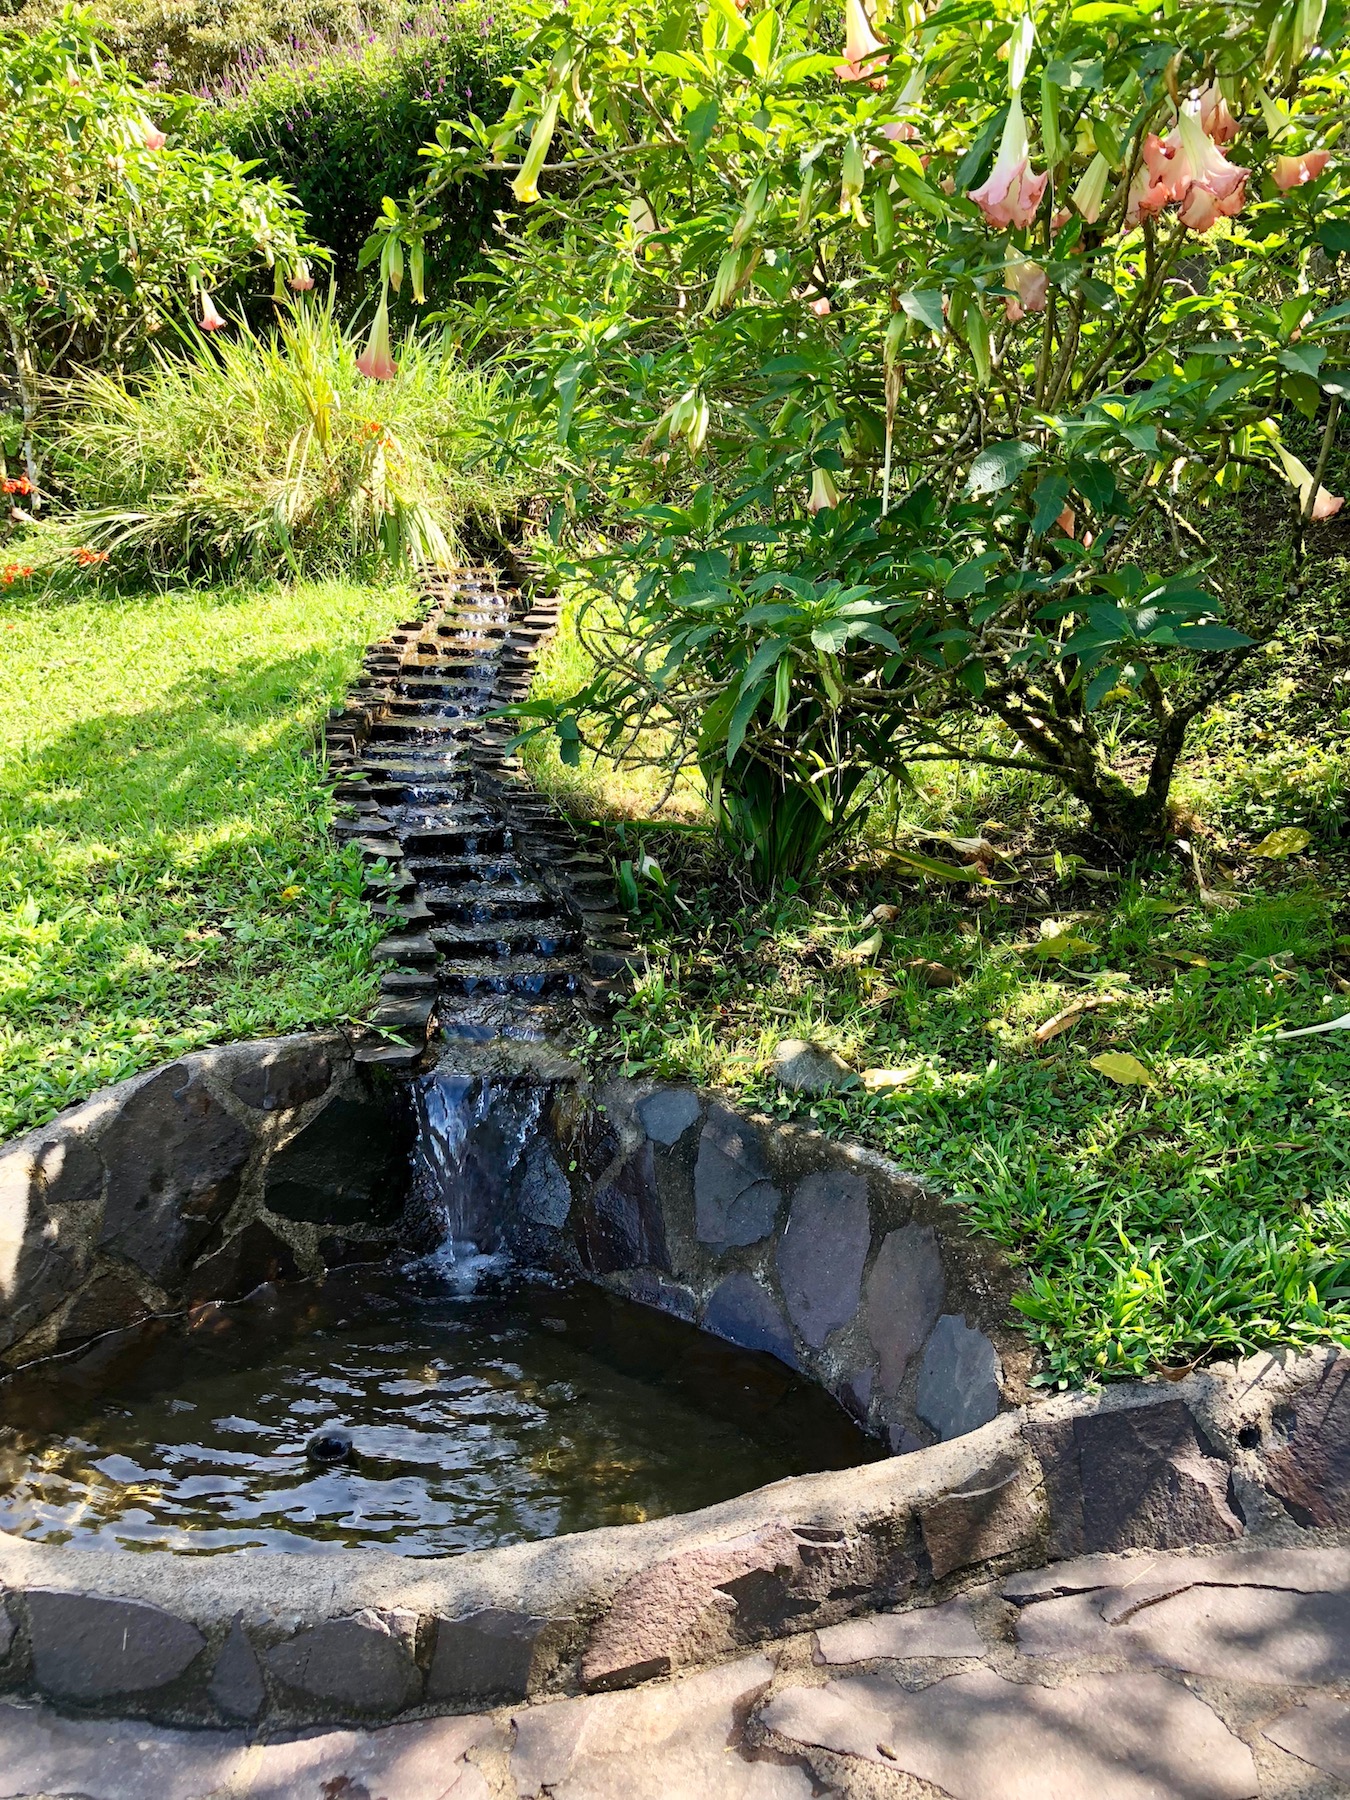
(1222, 1676)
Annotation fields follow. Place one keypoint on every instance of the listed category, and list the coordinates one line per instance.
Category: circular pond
(511, 1410)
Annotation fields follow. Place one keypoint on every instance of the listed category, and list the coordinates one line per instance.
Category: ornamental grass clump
(271, 450)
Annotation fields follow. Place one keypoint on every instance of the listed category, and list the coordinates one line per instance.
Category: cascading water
(470, 1135)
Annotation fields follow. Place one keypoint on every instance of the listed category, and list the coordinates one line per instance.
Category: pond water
(514, 1409)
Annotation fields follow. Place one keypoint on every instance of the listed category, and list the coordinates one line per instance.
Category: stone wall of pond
(826, 1256)
(196, 1182)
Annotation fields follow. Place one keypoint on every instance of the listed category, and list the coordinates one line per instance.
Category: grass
(1152, 1225)
(165, 875)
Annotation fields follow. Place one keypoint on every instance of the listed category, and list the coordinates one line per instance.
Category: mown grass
(165, 875)
(1208, 1213)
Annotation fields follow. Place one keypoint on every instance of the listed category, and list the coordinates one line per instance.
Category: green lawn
(165, 875)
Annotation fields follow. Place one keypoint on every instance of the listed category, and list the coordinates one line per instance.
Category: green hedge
(345, 131)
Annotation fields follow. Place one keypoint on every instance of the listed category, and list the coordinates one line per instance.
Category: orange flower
(17, 484)
(89, 558)
(13, 572)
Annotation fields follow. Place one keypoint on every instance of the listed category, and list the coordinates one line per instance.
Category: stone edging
(295, 1639)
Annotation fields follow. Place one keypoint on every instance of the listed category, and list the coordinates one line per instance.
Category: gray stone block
(358, 1664)
(244, 1262)
(347, 1166)
(1000, 1510)
(237, 1685)
(735, 1202)
(1308, 1470)
(961, 1379)
(905, 1291)
(746, 1313)
(668, 1113)
(484, 1655)
(111, 1302)
(544, 1196)
(89, 1648)
(620, 1225)
(175, 1158)
(7, 1628)
(284, 1077)
(822, 1252)
(651, 1289)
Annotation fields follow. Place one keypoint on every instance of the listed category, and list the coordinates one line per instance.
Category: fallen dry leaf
(1066, 1020)
(880, 915)
(885, 1081)
(931, 974)
(865, 952)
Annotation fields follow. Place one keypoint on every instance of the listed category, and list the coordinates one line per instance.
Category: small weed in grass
(166, 879)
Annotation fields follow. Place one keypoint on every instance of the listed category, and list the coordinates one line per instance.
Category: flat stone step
(534, 976)
(508, 937)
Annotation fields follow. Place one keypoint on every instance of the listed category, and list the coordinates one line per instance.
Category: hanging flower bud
(1294, 171)
(1325, 505)
(301, 279)
(1028, 283)
(150, 135)
(1090, 193)
(864, 52)
(377, 361)
(211, 319)
(851, 184)
(754, 205)
(1013, 192)
(525, 187)
(824, 494)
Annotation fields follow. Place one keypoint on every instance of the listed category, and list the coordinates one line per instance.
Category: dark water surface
(515, 1411)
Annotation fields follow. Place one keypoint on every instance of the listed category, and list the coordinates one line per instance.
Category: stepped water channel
(501, 924)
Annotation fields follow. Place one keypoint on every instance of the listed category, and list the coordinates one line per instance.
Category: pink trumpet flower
(900, 131)
(1013, 192)
(1293, 171)
(211, 319)
(1325, 505)
(1188, 170)
(301, 279)
(1066, 521)
(151, 135)
(378, 360)
(864, 52)
(1027, 280)
(1216, 121)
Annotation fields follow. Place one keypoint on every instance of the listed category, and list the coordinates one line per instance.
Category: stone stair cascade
(501, 923)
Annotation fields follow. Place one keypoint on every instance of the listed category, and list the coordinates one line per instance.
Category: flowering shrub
(908, 369)
(111, 226)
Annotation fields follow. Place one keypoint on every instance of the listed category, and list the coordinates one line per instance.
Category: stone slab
(668, 1113)
(421, 1761)
(822, 1251)
(89, 1648)
(1309, 1471)
(484, 1654)
(735, 1200)
(544, 1196)
(237, 1686)
(1318, 1732)
(677, 1741)
(111, 1759)
(358, 1663)
(744, 1312)
(285, 1077)
(347, 1166)
(1262, 1635)
(979, 1737)
(937, 1631)
(1000, 1511)
(905, 1292)
(961, 1379)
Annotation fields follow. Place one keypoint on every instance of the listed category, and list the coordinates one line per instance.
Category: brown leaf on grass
(1066, 1020)
(866, 952)
(880, 915)
(930, 974)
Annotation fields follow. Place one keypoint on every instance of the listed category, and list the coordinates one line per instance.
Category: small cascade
(471, 1132)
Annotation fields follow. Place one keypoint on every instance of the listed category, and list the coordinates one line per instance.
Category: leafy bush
(345, 126)
(905, 429)
(111, 229)
(267, 451)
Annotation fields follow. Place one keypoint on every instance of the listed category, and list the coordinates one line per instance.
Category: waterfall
(469, 1137)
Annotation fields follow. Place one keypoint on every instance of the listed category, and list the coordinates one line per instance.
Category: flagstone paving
(1140, 1677)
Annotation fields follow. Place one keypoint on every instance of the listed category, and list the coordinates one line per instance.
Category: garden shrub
(268, 451)
(904, 372)
(344, 127)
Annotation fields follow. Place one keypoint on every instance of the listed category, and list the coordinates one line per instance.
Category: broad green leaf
(1048, 500)
(924, 305)
(1286, 840)
(998, 466)
(1127, 1070)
